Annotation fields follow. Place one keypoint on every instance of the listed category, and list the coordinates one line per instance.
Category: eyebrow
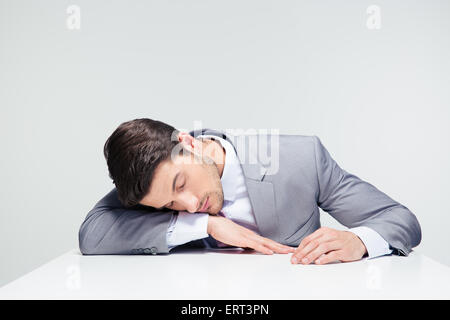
(173, 187)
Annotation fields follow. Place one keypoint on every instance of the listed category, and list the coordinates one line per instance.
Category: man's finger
(259, 247)
(328, 235)
(322, 248)
(299, 255)
(329, 257)
(277, 247)
(316, 234)
(273, 245)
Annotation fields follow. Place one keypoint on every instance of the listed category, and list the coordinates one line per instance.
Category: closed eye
(179, 188)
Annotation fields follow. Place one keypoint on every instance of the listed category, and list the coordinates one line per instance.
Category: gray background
(378, 99)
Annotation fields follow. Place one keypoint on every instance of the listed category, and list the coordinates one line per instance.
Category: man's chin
(216, 208)
(214, 213)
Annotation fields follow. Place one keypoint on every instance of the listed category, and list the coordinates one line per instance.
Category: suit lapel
(263, 203)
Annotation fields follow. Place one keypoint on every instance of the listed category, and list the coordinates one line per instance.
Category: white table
(230, 274)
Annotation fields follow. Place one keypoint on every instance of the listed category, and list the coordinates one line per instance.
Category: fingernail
(305, 260)
(317, 261)
(294, 260)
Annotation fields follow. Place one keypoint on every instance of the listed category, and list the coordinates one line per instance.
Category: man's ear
(190, 143)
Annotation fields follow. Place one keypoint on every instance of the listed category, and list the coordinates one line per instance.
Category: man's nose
(192, 203)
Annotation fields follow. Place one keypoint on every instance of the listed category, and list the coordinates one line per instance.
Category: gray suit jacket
(286, 204)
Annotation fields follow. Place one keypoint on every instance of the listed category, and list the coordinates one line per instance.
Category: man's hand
(326, 245)
(228, 232)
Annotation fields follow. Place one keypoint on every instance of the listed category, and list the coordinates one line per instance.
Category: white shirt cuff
(375, 244)
(186, 227)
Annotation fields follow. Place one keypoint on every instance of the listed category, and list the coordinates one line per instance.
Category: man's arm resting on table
(110, 228)
(192, 226)
(356, 203)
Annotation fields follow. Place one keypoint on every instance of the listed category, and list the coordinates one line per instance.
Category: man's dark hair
(133, 151)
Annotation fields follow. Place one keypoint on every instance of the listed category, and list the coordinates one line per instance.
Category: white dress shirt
(186, 227)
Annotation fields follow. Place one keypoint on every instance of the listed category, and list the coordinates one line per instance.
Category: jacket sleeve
(354, 202)
(110, 228)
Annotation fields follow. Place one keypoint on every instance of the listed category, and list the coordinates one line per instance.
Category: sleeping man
(212, 189)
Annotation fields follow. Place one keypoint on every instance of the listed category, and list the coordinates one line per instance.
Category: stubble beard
(217, 194)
